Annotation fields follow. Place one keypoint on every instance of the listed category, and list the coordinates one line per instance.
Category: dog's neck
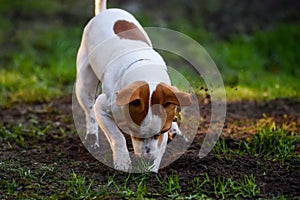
(101, 62)
(145, 70)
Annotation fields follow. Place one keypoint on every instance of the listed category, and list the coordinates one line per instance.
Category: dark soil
(62, 149)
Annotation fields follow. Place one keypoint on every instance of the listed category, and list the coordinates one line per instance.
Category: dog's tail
(100, 5)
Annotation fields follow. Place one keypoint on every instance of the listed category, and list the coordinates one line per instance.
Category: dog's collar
(164, 131)
(146, 70)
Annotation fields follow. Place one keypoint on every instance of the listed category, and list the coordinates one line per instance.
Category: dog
(136, 93)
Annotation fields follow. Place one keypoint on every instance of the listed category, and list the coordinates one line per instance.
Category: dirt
(61, 148)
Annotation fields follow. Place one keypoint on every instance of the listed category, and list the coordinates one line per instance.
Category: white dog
(136, 97)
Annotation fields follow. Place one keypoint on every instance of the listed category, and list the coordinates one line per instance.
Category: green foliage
(227, 188)
(271, 142)
(19, 132)
(246, 63)
(29, 7)
(221, 148)
(171, 186)
(78, 187)
(260, 66)
(24, 177)
(279, 48)
(43, 68)
(38, 61)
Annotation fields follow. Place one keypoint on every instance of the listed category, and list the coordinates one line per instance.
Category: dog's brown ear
(137, 91)
(165, 94)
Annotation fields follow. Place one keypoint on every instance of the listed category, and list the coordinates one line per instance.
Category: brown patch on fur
(128, 30)
(169, 97)
(136, 97)
(137, 138)
(160, 139)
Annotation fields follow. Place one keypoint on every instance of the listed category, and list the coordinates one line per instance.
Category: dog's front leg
(160, 153)
(115, 137)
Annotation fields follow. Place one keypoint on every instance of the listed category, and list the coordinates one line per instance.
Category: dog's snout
(147, 152)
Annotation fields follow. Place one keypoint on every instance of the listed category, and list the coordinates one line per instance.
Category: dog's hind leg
(86, 88)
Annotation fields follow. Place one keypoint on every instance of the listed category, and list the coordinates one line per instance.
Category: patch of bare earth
(62, 149)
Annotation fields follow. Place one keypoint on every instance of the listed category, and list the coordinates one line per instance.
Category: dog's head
(149, 110)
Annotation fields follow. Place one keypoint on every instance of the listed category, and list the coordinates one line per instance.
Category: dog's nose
(146, 153)
(147, 149)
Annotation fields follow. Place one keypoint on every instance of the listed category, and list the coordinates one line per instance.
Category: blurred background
(255, 44)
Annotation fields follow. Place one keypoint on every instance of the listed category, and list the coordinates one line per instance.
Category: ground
(46, 162)
(255, 46)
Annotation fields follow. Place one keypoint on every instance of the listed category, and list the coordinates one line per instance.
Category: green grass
(271, 142)
(261, 66)
(19, 132)
(43, 69)
(40, 65)
(136, 187)
(76, 185)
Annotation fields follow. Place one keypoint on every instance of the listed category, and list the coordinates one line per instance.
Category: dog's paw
(176, 131)
(122, 166)
(122, 162)
(91, 141)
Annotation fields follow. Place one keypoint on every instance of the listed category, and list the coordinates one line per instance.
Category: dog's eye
(135, 103)
(166, 104)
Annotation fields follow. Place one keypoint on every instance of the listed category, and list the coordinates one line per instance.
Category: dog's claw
(96, 145)
(92, 141)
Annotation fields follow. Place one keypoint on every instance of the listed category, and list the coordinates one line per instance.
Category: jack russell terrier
(137, 97)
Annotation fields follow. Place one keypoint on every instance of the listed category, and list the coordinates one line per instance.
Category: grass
(78, 186)
(40, 63)
(271, 142)
(260, 66)
(45, 68)
(134, 187)
(18, 133)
